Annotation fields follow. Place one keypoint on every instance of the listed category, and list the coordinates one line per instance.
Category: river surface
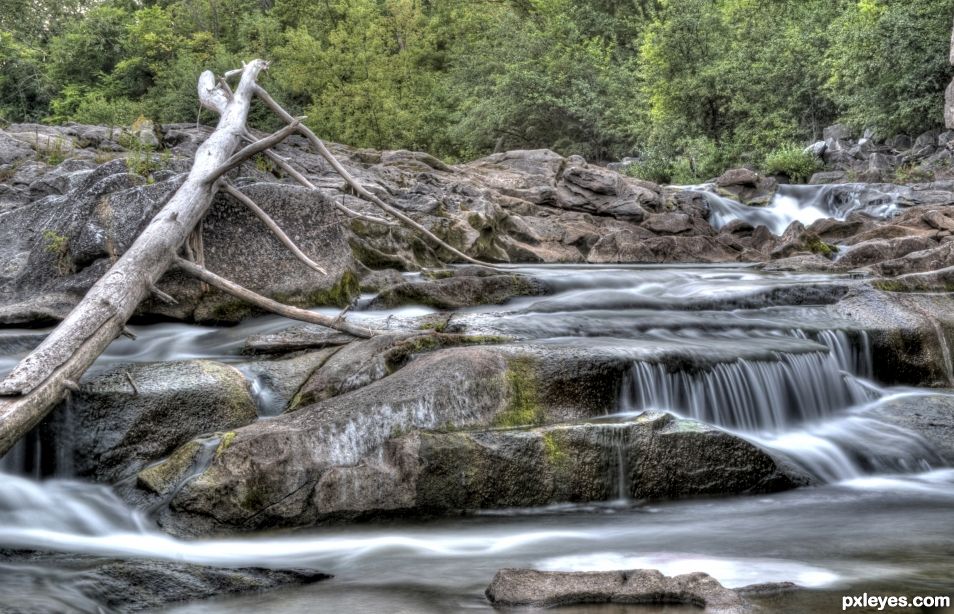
(764, 359)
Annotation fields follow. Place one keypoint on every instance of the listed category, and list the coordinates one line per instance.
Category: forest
(689, 87)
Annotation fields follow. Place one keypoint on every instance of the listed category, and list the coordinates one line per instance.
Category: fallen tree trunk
(42, 379)
(47, 374)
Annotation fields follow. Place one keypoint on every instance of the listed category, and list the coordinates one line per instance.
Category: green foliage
(791, 161)
(689, 87)
(888, 63)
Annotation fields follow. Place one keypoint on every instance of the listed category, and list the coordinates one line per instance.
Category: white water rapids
(787, 376)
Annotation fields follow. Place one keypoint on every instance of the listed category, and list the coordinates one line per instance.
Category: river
(781, 371)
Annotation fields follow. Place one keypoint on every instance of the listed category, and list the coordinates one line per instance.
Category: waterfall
(747, 395)
(809, 408)
(805, 204)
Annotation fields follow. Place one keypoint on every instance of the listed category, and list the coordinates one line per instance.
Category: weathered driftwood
(295, 313)
(359, 189)
(43, 378)
(53, 369)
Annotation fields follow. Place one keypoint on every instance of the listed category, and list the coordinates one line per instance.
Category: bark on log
(41, 379)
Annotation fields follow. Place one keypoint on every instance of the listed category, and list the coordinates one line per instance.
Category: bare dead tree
(52, 370)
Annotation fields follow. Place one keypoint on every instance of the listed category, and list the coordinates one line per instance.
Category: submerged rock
(41, 583)
(545, 589)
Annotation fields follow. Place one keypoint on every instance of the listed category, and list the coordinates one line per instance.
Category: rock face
(545, 589)
(55, 248)
(909, 333)
(90, 584)
(655, 456)
(459, 291)
(379, 429)
(115, 430)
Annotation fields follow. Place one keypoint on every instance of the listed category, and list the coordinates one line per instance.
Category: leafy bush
(792, 161)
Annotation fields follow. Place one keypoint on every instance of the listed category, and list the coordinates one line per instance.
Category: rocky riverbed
(640, 346)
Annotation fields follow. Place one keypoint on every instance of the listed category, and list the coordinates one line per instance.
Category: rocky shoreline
(447, 413)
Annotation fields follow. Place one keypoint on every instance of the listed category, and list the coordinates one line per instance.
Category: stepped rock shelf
(648, 377)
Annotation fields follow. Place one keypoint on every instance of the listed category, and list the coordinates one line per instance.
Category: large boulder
(386, 424)
(604, 192)
(655, 456)
(134, 415)
(55, 248)
(459, 291)
(546, 589)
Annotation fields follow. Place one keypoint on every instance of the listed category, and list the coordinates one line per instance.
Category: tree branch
(274, 227)
(295, 313)
(257, 147)
(357, 187)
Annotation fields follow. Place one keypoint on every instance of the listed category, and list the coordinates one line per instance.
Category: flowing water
(805, 204)
(731, 346)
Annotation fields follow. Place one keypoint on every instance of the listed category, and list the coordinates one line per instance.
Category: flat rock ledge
(545, 589)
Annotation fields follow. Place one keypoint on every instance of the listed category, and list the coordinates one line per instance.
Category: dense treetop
(690, 86)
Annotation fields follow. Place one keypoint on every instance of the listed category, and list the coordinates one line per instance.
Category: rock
(668, 223)
(603, 192)
(930, 416)
(899, 142)
(937, 219)
(830, 229)
(918, 261)
(13, 150)
(882, 163)
(94, 584)
(115, 430)
(836, 132)
(907, 333)
(826, 177)
(533, 161)
(627, 246)
(377, 280)
(874, 251)
(296, 338)
(817, 149)
(926, 139)
(797, 239)
(746, 186)
(545, 589)
(655, 456)
(274, 383)
(459, 291)
(56, 248)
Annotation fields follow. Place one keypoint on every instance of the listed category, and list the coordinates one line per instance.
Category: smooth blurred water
(756, 359)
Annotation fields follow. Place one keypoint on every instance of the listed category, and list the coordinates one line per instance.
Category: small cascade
(945, 351)
(46, 451)
(268, 403)
(851, 447)
(803, 203)
(747, 395)
(64, 506)
(851, 351)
